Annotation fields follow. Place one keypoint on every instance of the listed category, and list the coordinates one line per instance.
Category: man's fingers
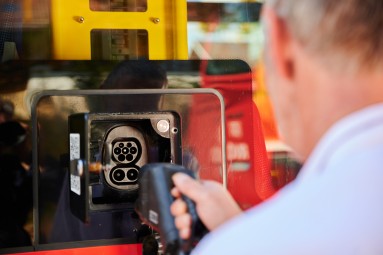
(182, 219)
(175, 192)
(187, 186)
(183, 224)
(178, 207)
(184, 233)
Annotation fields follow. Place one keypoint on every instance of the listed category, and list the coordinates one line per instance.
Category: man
(324, 69)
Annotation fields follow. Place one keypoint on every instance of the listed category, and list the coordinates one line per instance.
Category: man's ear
(278, 40)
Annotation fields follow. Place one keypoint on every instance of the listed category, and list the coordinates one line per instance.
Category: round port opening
(132, 174)
(119, 175)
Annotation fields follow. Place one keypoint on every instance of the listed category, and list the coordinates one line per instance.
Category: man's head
(349, 31)
(324, 59)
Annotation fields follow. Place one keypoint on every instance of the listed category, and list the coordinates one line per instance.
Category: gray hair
(349, 30)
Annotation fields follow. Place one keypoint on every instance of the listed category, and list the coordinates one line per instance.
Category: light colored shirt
(335, 206)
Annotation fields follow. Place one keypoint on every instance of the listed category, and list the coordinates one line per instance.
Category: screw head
(156, 20)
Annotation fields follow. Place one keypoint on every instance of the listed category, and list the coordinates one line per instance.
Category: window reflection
(118, 5)
(119, 44)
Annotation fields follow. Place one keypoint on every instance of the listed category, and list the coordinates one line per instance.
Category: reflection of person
(15, 178)
(6, 110)
(324, 62)
(138, 74)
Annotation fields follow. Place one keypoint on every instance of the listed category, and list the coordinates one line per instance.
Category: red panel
(249, 176)
(127, 249)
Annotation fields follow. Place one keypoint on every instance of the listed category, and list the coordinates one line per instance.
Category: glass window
(118, 5)
(119, 44)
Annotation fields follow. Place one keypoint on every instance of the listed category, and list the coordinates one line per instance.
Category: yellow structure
(164, 22)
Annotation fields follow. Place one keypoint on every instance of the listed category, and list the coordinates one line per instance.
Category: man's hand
(214, 204)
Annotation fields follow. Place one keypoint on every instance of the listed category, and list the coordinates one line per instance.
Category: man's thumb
(187, 185)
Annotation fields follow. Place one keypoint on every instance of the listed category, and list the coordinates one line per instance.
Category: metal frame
(45, 93)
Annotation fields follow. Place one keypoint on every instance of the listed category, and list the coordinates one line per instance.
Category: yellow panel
(165, 21)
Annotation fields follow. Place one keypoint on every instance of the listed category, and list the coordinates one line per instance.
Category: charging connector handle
(153, 206)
